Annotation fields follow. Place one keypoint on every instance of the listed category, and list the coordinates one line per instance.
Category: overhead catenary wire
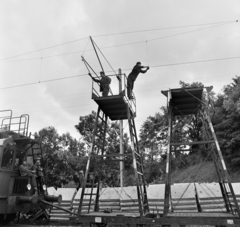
(46, 48)
(154, 66)
(158, 29)
(163, 37)
(216, 24)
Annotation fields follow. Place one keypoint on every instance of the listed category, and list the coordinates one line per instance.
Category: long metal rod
(96, 54)
(87, 65)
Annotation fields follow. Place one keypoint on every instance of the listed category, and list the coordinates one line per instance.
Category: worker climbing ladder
(185, 102)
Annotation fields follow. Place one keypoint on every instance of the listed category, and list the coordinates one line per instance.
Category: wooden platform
(185, 101)
(114, 106)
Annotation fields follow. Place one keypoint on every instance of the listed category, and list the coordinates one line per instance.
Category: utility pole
(121, 134)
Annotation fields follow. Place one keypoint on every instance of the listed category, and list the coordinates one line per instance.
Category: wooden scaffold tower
(113, 107)
(189, 102)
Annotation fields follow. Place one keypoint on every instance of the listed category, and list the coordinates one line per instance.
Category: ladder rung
(140, 173)
(90, 194)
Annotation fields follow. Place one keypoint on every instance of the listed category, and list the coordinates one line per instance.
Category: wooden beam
(192, 143)
(111, 155)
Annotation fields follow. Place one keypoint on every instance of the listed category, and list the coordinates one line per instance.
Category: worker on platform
(104, 82)
(138, 68)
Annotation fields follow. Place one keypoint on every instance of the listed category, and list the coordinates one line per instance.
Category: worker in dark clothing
(78, 179)
(26, 171)
(104, 82)
(133, 76)
(39, 173)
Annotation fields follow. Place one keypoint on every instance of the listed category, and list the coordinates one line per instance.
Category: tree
(227, 121)
(63, 156)
(109, 168)
(153, 143)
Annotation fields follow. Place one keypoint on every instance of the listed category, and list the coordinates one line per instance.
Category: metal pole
(121, 133)
(96, 53)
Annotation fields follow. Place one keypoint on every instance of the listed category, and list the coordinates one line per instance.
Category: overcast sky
(52, 85)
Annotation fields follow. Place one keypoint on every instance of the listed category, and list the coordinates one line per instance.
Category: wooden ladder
(138, 167)
(93, 178)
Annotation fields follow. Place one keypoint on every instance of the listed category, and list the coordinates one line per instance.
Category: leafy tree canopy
(63, 156)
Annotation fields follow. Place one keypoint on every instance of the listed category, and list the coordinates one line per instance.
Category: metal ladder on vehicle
(138, 167)
(93, 178)
(224, 180)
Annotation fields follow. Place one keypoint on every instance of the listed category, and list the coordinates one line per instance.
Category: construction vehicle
(16, 192)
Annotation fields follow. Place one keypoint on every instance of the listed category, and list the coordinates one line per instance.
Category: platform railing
(131, 102)
(15, 124)
(5, 125)
(96, 88)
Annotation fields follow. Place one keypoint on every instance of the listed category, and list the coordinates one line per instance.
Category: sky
(42, 41)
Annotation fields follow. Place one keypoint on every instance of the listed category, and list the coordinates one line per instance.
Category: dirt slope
(201, 173)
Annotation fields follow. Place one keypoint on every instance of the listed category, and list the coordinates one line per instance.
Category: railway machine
(17, 194)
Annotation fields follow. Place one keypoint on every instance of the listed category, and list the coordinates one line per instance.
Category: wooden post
(121, 133)
(168, 165)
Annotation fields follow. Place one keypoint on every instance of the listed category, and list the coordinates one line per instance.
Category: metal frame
(16, 124)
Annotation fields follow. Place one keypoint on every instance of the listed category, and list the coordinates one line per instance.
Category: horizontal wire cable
(158, 29)
(217, 24)
(154, 66)
(46, 48)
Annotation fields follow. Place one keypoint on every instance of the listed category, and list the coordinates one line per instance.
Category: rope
(85, 47)
(147, 52)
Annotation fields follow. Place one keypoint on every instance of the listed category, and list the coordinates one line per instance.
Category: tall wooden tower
(113, 107)
(189, 102)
